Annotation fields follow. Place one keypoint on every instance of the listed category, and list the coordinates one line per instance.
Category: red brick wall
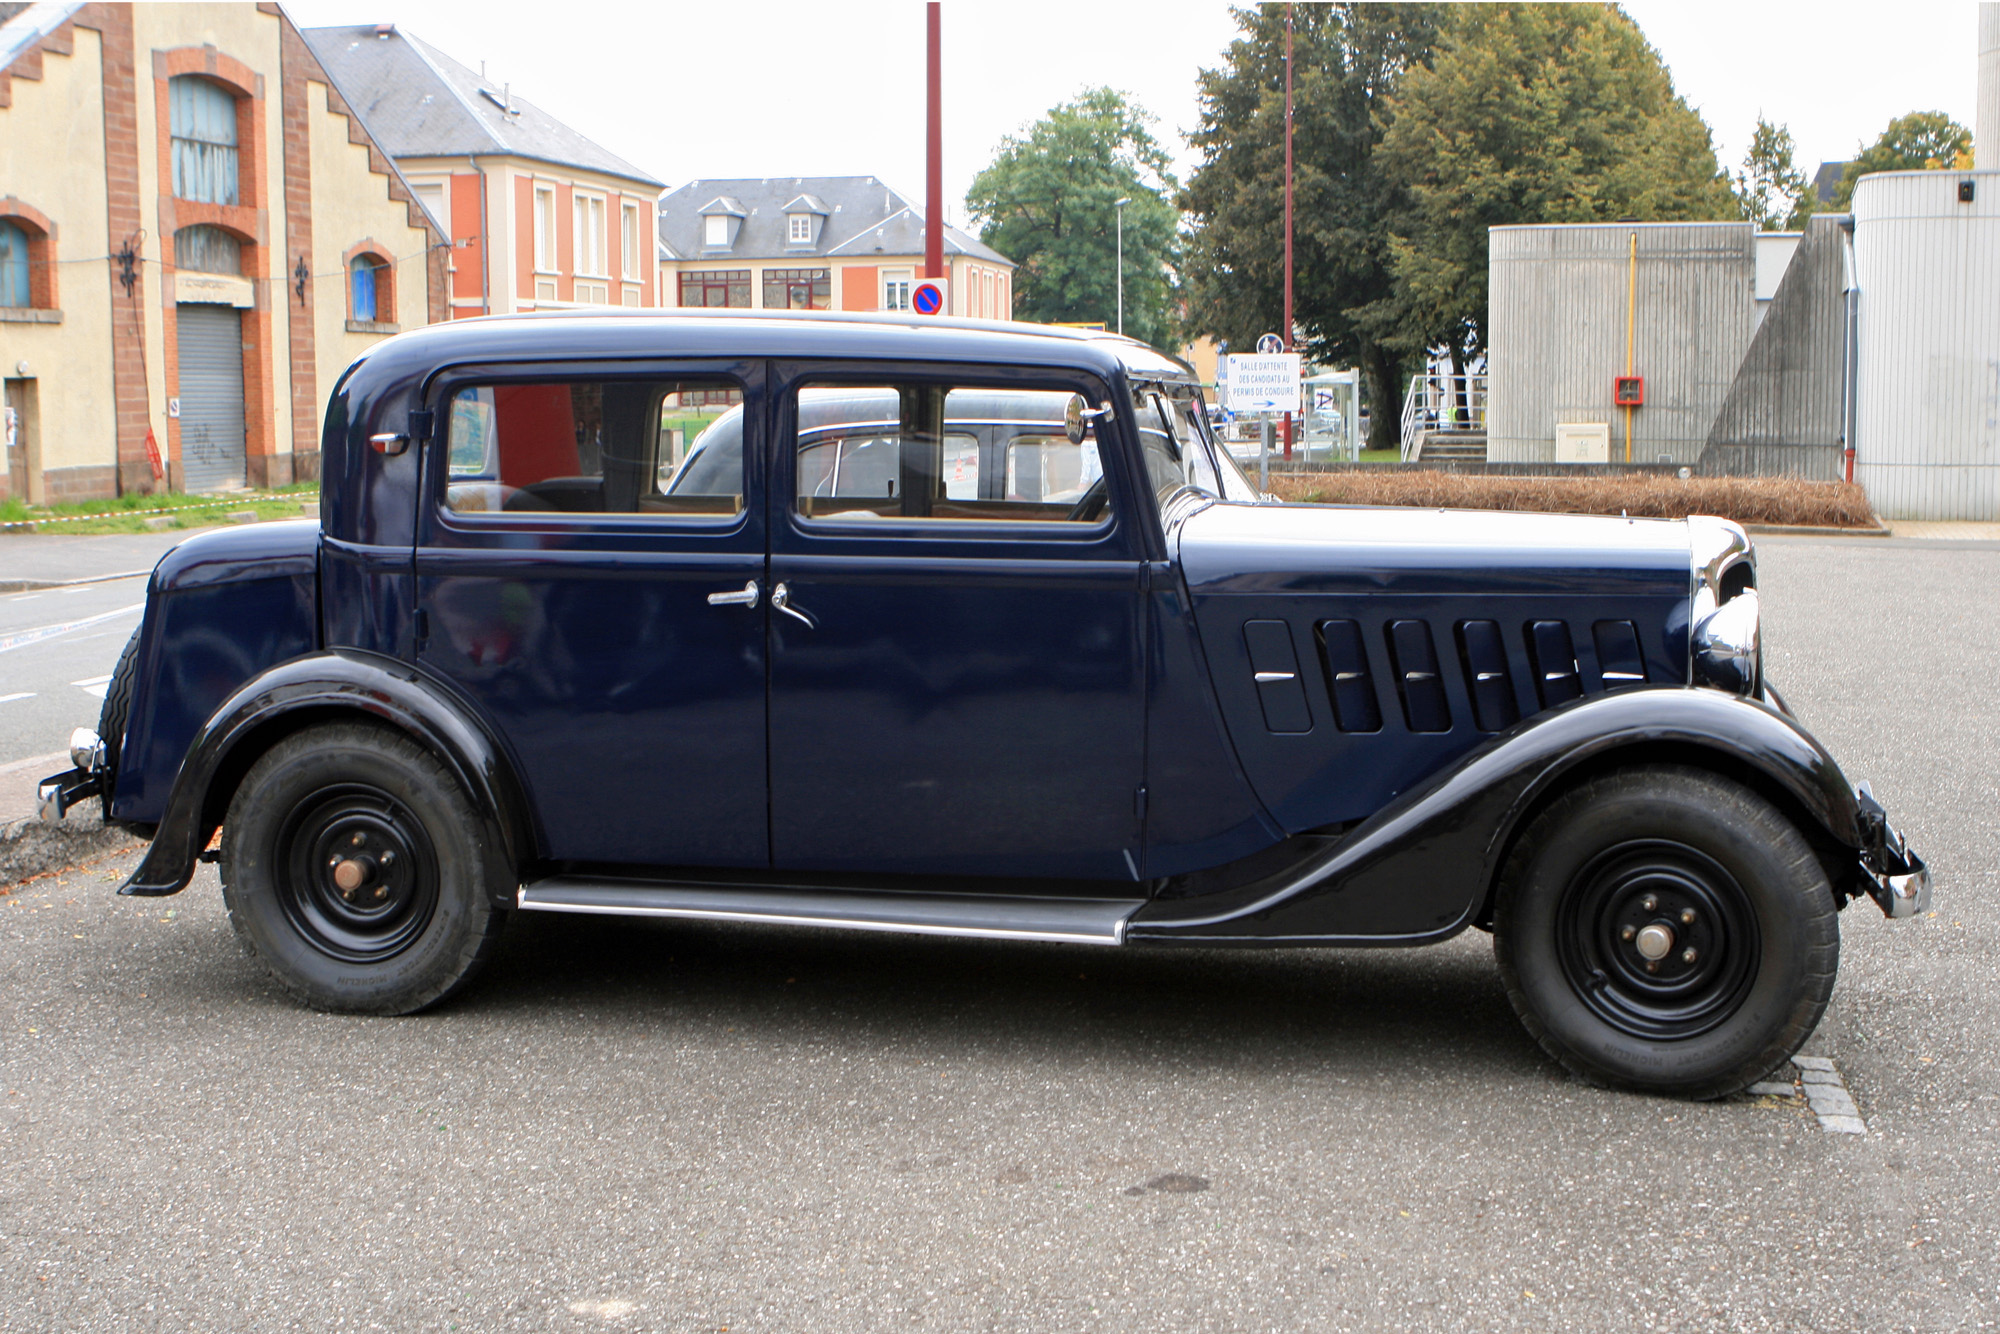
(295, 61)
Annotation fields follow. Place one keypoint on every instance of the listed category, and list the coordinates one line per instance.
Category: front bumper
(1896, 878)
(58, 792)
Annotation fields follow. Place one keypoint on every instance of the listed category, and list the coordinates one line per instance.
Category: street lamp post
(1120, 204)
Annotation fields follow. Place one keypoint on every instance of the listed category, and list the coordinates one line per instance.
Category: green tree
(1920, 141)
(1347, 62)
(1775, 194)
(1536, 114)
(1048, 201)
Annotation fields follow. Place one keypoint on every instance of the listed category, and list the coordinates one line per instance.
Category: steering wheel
(1090, 504)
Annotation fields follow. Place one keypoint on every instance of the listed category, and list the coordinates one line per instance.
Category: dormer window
(801, 230)
(715, 229)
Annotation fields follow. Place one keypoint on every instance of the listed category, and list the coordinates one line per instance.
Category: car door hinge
(423, 627)
(1139, 802)
(421, 420)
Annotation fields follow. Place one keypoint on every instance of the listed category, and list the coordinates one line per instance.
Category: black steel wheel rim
(359, 878)
(1658, 939)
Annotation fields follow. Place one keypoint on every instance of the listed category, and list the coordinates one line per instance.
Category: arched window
(361, 281)
(201, 121)
(205, 249)
(14, 289)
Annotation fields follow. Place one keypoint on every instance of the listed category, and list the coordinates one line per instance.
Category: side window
(595, 447)
(945, 452)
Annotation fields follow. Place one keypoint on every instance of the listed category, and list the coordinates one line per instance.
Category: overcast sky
(689, 91)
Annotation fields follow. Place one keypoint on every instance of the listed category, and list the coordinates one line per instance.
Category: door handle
(781, 598)
(746, 597)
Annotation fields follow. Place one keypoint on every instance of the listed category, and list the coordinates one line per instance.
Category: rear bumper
(1896, 878)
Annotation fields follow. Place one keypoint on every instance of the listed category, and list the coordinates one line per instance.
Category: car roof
(891, 335)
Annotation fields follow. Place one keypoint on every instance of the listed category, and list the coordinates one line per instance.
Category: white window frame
(545, 229)
(631, 232)
(715, 230)
(897, 283)
(587, 238)
(800, 229)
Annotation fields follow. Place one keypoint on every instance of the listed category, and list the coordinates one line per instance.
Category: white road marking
(22, 638)
(95, 685)
(24, 597)
(9, 699)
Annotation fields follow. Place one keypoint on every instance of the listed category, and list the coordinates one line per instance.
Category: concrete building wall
(1560, 299)
(59, 118)
(1927, 434)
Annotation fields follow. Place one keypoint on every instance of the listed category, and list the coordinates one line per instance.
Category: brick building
(540, 217)
(205, 237)
(815, 243)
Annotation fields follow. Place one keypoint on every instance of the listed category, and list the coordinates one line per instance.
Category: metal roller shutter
(211, 392)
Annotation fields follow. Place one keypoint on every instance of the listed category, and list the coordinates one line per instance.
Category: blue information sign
(927, 299)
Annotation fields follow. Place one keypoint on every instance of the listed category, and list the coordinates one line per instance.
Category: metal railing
(1442, 402)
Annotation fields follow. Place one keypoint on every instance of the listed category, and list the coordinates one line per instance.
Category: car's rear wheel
(353, 869)
(1666, 929)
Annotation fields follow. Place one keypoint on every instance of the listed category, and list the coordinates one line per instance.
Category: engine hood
(1362, 549)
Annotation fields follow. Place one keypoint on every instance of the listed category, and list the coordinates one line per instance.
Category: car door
(957, 682)
(606, 622)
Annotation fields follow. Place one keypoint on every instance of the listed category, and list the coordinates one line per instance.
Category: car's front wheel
(353, 869)
(1666, 929)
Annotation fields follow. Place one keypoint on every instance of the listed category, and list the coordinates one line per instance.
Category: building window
(715, 229)
(201, 122)
(896, 291)
(14, 290)
(629, 230)
(361, 283)
(589, 235)
(545, 229)
(205, 249)
(802, 229)
(716, 287)
(798, 289)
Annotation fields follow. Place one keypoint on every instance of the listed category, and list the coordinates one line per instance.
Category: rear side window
(592, 446)
(947, 453)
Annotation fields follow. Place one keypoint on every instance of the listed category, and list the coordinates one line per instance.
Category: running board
(1072, 921)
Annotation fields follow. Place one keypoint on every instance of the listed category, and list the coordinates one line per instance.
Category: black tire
(1693, 867)
(408, 921)
(112, 717)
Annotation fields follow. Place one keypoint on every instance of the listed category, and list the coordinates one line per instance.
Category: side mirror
(1077, 418)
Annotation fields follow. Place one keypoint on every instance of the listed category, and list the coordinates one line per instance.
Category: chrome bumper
(1897, 878)
(58, 792)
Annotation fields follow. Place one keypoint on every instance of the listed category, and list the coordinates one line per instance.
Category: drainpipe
(485, 253)
(1851, 349)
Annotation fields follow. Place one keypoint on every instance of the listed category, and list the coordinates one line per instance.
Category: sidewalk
(54, 558)
(1945, 530)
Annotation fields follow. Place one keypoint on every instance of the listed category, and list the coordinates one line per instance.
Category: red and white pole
(934, 186)
(1286, 331)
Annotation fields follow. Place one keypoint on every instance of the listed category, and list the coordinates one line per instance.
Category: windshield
(1179, 447)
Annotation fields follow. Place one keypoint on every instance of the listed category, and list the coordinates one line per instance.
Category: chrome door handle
(781, 598)
(747, 597)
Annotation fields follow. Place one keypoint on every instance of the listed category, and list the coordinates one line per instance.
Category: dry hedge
(1773, 500)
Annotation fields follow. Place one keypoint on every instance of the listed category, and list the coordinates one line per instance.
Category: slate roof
(419, 102)
(863, 217)
(1827, 180)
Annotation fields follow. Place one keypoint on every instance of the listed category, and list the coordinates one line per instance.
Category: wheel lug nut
(381, 891)
(388, 857)
(1628, 933)
(354, 840)
(1687, 917)
(1652, 965)
(1650, 903)
(1687, 956)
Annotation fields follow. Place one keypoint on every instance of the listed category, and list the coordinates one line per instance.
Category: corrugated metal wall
(1927, 434)
(1783, 413)
(1557, 301)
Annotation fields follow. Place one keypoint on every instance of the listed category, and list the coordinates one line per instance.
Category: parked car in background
(967, 630)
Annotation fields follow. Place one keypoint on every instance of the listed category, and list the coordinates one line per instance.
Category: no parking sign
(928, 297)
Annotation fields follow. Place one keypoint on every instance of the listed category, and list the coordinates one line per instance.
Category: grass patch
(142, 513)
(1771, 500)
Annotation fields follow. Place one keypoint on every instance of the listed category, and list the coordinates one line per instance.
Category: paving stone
(1812, 1063)
(1769, 1089)
(1843, 1125)
(1833, 1104)
(1811, 1077)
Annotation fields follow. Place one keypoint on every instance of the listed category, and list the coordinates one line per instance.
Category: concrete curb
(1812, 530)
(38, 585)
(29, 848)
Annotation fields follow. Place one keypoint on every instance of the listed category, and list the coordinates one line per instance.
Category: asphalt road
(57, 649)
(694, 1127)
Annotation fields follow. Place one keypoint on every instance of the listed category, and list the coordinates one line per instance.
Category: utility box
(1583, 442)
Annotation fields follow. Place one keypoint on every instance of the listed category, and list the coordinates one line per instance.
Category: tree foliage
(1536, 113)
(1348, 60)
(1920, 141)
(1775, 194)
(1048, 202)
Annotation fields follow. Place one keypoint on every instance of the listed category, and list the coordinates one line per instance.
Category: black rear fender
(339, 685)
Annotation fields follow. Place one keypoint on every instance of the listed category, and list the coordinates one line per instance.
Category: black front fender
(1419, 869)
(326, 686)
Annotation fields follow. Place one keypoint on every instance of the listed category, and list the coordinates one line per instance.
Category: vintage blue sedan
(969, 630)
